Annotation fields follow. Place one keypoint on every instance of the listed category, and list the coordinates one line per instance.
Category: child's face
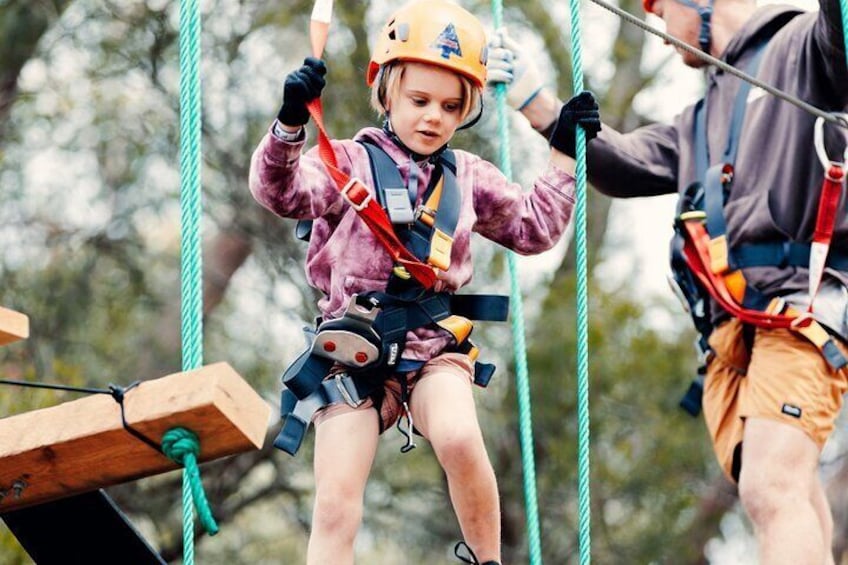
(428, 107)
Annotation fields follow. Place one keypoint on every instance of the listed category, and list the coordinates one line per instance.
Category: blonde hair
(387, 85)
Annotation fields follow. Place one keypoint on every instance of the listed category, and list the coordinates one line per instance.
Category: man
(771, 396)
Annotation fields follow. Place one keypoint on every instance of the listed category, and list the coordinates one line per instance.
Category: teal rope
(183, 447)
(843, 4)
(190, 194)
(583, 441)
(190, 208)
(522, 386)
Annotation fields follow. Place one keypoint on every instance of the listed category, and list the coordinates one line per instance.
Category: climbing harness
(369, 338)
(368, 341)
(705, 264)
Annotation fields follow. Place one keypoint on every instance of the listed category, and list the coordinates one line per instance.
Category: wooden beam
(14, 326)
(82, 445)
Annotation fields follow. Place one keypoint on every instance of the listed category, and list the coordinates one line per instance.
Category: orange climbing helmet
(436, 32)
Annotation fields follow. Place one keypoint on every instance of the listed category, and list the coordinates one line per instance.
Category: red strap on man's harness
(696, 251)
(697, 247)
(829, 203)
(357, 195)
(825, 221)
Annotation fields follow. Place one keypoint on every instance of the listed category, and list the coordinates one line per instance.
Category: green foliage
(648, 459)
(11, 552)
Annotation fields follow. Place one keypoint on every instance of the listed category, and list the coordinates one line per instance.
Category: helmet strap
(706, 14)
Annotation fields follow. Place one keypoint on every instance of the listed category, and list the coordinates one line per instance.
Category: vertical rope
(190, 195)
(843, 4)
(583, 441)
(183, 446)
(190, 208)
(522, 386)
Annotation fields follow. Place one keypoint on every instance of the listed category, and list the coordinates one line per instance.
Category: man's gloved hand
(508, 64)
(301, 86)
(581, 109)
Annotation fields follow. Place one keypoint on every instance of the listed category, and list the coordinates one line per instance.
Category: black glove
(300, 87)
(581, 109)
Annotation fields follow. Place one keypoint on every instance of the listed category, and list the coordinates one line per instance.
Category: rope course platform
(14, 326)
(82, 445)
(55, 461)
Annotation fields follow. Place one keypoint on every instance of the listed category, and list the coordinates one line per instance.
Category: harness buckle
(408, 432)
(401, 272)
(804, 320)
(342, 381)
(426, 215)
(359, 199)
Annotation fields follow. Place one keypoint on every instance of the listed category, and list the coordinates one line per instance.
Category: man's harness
(363, 348)
(704, 265)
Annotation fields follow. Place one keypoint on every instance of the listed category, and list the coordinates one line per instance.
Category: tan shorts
(389, 403)
(783, 378)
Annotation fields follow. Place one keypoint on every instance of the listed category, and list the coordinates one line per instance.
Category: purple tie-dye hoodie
(344, 258)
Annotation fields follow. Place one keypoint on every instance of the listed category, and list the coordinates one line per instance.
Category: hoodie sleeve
(526, 222)
(829, 40)
(292, 185)
(642, 162)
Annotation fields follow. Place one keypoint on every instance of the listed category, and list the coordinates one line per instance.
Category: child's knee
(338, 514)
(461, 448)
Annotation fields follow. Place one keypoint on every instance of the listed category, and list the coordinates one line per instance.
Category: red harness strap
(357, 195)
(696, 251)
(825, 221)
(778, 314)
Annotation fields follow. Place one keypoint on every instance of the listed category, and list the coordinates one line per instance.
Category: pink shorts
(389, 403)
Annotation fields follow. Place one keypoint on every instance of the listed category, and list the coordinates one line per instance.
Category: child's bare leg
(345, 445)
(444, 412)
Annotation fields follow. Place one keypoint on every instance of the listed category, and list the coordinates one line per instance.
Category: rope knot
(179, 442)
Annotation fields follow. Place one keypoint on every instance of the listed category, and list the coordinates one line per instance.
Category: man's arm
(829, 39)
(640, 163)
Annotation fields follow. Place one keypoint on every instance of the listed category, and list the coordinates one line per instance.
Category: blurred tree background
(89, 227)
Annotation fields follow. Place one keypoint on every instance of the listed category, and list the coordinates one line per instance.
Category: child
(427, 73)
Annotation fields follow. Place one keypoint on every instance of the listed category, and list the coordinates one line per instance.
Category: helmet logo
(447, 43)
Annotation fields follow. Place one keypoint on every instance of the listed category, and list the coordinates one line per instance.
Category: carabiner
(410, 442)
(818, 141)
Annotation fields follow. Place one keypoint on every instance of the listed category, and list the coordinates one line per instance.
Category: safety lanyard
(831, 193)
(356, 194)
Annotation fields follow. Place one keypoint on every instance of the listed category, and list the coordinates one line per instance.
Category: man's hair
(387, 86)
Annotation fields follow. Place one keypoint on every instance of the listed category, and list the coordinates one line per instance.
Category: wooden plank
(14, 326)
(81, 445)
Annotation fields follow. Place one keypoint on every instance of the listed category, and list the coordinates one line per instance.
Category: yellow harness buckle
(459, 327)
(718, 255)
(440, 250)
(401, 272)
